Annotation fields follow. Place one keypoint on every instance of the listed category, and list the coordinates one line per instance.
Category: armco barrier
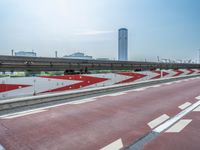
(24, 86)
(32, 101)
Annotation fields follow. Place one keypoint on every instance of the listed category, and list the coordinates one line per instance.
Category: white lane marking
(82, 101)
(185, 105)
(169, 83)
(140, 89)
(179, 126)
(198, 97)
(158, 121)
(173, 120)
(20, 114)
(155, 86)
(178, 81)
(197, 109)
(114, 146)
(116, 94)
(2, 148)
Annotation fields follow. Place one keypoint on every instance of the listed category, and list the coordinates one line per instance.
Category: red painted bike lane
(93, 125)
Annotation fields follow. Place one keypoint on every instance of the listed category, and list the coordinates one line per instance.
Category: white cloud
(94, 32)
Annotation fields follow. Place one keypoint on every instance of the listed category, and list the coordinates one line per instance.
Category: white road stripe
(114, 146)
(179, 126)
(82, 101)
(155, 86)
(197, 109)
(198, 97)
(20, 114)
(2, 148)
(185, 105)
(173, 120)
(169, 83)
(158, 121)
(116, 94)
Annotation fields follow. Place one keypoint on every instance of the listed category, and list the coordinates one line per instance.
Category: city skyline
(168, 29)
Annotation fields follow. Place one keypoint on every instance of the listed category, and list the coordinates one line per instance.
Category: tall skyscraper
(123, 44)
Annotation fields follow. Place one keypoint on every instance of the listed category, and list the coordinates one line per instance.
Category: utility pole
(199, 56)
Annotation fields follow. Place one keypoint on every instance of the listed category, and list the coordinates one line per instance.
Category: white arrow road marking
(197, 109)
(185, 105)
(179, 126)
(2, 148)
(173, 120)
(114, 146)
(158, 121)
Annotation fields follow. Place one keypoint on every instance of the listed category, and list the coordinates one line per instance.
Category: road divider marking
(173, 120)
(185, 105)
(179, 126)
(197, 109)
(116, 145)
(158, 121)
(21, 114)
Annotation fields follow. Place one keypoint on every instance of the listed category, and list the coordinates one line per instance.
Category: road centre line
(197, 109)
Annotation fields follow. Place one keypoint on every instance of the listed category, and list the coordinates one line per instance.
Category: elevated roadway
(16, 63)
(163, 116)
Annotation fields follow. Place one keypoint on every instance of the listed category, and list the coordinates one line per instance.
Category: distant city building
(78, 55)
(103, 59)
(123, 44)
(25, 54)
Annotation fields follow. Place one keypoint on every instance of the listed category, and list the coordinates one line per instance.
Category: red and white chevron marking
(12, 87)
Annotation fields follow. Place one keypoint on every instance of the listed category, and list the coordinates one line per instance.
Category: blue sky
(165, 28)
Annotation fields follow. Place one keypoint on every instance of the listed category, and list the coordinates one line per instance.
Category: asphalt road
(144, 118)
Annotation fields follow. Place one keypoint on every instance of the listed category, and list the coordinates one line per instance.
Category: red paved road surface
(93, 125)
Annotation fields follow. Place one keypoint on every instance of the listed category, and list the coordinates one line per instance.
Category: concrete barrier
(11, 104)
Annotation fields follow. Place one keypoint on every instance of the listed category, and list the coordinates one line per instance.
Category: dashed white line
(173, 120)
(179, 126)
(2, 148)
(158, 121)
(185, 105)
(116, 145)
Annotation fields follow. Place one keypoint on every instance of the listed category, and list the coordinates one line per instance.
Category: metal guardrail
(17, 103)
(17, 63)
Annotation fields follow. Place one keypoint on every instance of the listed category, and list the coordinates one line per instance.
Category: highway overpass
(16, 63)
